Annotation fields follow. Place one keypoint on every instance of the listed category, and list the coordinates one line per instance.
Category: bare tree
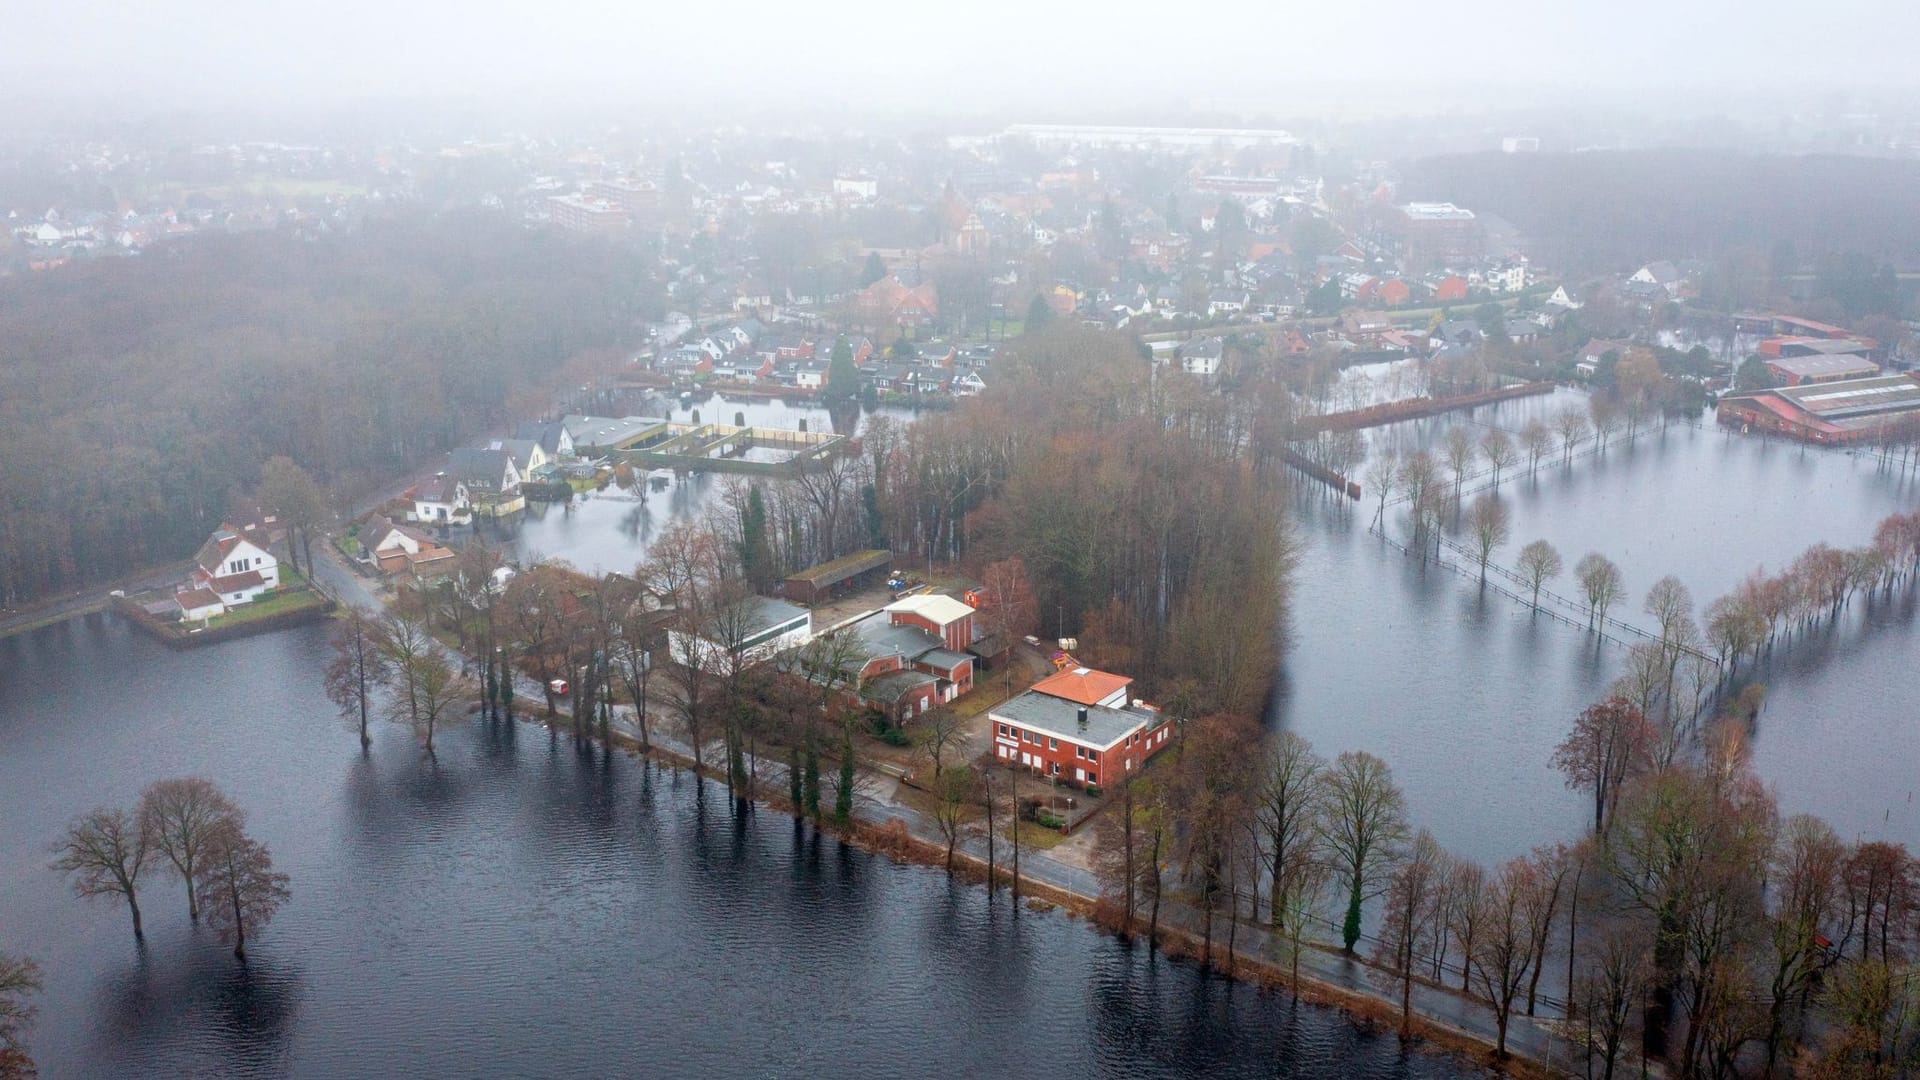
(440, 694)
(1540, 906)
(357, 668)
(243, 890)
(1466, 913)
(1383, 473)
(954, 792)
(297, 502)
(1364, 826)
(1289, 798)
(938, 734)
(1572, 429)
(1809, 862)
(1611, 743)
(1460, 454)
(1497, 447)
(1601, 582)
(1409, 924)
(1300, 913)
(178, 817)
(1535, 439)
(19, 980)
(104, 852)
(1614, 982)
(1504, 954)
(1539, 563)
(407, 649)
(1126, 838)
(1490, 525)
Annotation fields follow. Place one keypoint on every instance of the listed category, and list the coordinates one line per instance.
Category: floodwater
(1462, 691)
(612, 529)
(515, 907)
(1465, 694)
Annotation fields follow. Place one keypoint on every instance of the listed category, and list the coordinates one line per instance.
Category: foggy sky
(903, 56)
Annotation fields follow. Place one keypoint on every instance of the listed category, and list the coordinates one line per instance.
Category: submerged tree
(1539, 563)
(179, 817)
(241, 887)
(104, 852)
(358, 668)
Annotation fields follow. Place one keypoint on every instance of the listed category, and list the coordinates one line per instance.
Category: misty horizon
(994, 62)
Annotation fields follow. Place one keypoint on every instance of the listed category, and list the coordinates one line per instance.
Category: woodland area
(140, 394)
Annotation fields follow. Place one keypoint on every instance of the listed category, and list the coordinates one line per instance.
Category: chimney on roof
(1083, 718)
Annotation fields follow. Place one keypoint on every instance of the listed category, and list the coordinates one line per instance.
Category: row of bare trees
(190, 829)
(1298, 846)
(1817, 585)
(1732, 941)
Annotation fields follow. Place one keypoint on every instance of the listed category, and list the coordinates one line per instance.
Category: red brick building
(1078, 727)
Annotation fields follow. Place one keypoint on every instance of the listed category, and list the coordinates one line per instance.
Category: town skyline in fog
(1394, 57)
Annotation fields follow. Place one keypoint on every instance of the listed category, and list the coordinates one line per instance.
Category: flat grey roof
(1059, 717)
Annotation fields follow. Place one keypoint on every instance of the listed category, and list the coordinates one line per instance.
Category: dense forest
(138, 395)
(1613, 210)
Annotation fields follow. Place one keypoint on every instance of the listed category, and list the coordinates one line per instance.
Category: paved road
(92, 598)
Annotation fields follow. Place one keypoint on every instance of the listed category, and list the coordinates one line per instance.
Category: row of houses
(750, 353)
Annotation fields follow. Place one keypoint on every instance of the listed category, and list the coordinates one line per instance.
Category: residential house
(1225, 302)
(888, 301)
(554, 438)
(1564, 299)
(1586, 362)
(392, 548)
(440, 498)
(490, 477)
(969, 384)
(528, 455)
(1202, 356)
(232, 568)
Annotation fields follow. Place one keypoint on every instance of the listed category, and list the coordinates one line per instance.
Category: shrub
(1093, 791)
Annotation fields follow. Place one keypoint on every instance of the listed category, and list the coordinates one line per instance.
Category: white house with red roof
(229, 569)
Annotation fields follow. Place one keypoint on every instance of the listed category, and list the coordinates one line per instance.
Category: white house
(755, 630)
(1563, 299)
(439, 499)
(197, 604)
(1201, 356)
(1225, 302)
(232, 568)
(527, 454)
(489, 472)
(968, 384)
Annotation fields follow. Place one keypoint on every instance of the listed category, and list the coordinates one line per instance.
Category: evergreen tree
(756, 554)
(811, 781)
(843, 377)
(843, 799)
(873, 271)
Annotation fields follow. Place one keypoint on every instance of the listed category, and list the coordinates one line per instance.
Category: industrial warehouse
(1853, 411)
